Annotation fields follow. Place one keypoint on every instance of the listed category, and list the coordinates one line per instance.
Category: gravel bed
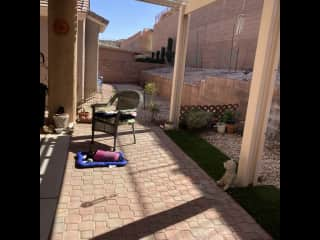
(230, 144)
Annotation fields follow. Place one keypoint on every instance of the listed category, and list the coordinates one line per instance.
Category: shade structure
(167, 3)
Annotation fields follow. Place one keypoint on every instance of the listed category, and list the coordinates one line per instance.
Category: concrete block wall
(165, 28)
(141, 42)
(119, 66)
(211, 31)
(215, 91)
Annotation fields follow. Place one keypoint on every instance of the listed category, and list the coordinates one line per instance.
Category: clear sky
(126, 17)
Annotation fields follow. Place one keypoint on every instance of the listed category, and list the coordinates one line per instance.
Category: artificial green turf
(203, 153)
(261, 202)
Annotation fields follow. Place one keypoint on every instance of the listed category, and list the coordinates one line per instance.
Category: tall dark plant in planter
(162, 54)
(173, 57)
(169, 53)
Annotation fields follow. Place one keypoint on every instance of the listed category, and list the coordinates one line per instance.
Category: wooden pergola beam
(166, 3)
(193, 5)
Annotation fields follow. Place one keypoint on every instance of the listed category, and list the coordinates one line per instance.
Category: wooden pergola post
(179, 65)
(261, 92)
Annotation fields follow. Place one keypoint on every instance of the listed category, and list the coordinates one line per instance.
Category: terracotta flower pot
(230, 128)
(84, 117)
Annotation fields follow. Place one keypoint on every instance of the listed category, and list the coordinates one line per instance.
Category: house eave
(102, 22)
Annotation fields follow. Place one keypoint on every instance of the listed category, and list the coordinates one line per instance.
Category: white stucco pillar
(97, 42)
(81, 59)
(62, 52)
(179, 66)
(261, 92)
(91, 56)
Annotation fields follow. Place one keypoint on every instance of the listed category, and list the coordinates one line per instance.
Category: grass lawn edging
(261, 202)
(201, 152)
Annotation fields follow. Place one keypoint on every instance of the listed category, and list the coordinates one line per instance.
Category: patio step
(47, 213)
(53, 157)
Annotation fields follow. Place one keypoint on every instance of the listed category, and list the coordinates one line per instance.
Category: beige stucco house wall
(44, 49)
(89, 27)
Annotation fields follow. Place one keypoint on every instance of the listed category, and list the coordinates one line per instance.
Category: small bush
(230, 117)
(196, 119)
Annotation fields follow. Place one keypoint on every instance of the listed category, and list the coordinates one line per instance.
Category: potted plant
(168, 125)
(154, 109)
(149, 89)
(61, 119)
(84, 116)
(229, 117)
(221, 127)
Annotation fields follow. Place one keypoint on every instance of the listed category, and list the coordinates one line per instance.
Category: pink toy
(106, 156)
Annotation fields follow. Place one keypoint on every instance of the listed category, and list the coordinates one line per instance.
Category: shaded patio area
(160, 194)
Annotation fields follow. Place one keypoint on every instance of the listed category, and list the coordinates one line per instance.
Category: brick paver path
(160, 194)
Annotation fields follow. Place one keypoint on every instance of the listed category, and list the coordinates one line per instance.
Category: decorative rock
(230, 144)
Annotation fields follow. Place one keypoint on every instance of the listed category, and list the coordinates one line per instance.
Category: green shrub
(230, 117)
(196, 119)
